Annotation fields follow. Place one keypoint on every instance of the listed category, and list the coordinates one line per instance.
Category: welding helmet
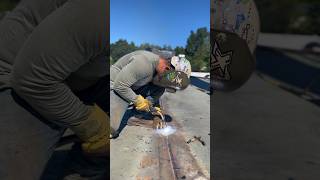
(178, 77)
(180, 63)
(172, 80)
(234, 30)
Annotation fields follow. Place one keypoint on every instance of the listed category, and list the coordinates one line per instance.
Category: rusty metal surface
(171, 159)
(141, 153)
(176, 160)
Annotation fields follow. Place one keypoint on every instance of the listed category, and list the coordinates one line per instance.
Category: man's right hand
(94, 132)
(142, 104)
(158, 123)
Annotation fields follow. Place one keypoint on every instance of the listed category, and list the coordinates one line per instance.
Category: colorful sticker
(174, 77)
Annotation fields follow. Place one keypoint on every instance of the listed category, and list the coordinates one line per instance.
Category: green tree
(167, 47)
(179, 50)
(146, 46)
(120, 48)
(198, 49)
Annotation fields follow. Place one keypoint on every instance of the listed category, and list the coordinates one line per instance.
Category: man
(52, 53)
(140, 78)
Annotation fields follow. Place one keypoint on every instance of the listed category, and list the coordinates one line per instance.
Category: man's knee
(118, 107)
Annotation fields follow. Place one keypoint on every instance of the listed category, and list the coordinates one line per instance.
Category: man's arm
(137, 70)
(63, 42)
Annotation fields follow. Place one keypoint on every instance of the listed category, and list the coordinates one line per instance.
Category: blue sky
(157, 22)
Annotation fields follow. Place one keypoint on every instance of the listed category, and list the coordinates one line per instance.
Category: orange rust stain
(148, 161)
(144, 178)
(140, 122)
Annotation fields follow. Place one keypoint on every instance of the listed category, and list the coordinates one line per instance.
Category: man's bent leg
(118, 107)
(26, 141)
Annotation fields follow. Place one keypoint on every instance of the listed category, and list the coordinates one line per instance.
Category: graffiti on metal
(221, 62)
(237, 16)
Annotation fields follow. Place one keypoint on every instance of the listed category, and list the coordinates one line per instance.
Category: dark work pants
(26, 141)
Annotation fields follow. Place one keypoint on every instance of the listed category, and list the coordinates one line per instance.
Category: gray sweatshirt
(45, 62)
(133, 71)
